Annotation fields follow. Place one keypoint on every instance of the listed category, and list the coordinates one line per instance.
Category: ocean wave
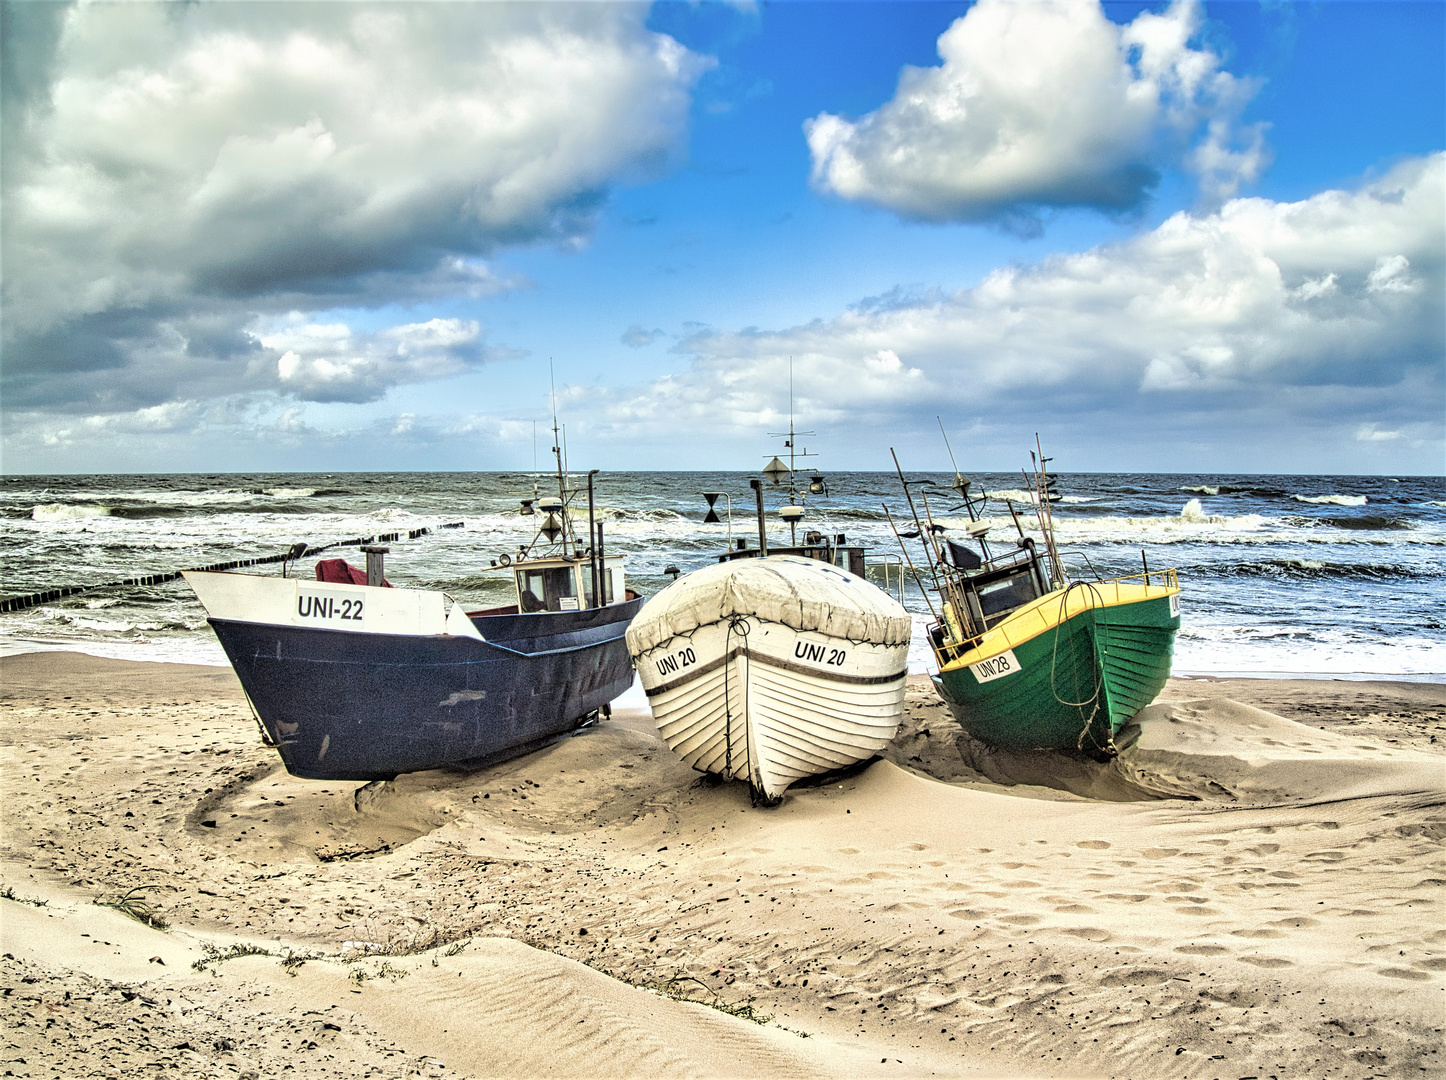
(1314, 570)
(612, 513)
(1230, 489)
(1368, 521)
(1022, 496)
(1332, 500)
(68, 511)
(1364, 523)
(1192, 524)
(1273, 648)
(1012, 495)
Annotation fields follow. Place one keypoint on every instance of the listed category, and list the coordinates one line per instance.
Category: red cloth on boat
(341, 572)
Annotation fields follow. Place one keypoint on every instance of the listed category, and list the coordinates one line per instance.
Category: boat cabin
(993, 593)
(835, 550)
(978, 595)
(565, 584)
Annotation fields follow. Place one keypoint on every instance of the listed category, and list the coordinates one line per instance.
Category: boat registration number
(1174, 605)
(676, 661)
(996, 667)
(341, 610)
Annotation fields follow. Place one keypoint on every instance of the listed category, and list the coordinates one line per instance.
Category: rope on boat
(296, 551)
(739, 625)
(1093, 701)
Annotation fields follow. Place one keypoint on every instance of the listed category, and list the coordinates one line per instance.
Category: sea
(1319, 576)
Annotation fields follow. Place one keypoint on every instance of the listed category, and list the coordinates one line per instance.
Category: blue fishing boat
(351, 679)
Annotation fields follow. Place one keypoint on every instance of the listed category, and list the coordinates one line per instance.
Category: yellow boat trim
(1057, 607)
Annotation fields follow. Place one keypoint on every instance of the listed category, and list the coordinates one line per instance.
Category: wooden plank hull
(1067, 671)
(757, 701)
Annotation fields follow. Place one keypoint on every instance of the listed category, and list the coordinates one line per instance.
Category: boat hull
(1068, 671)
(758, 701)
(369, 705)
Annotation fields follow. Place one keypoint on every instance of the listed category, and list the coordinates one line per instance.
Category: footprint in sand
(1160, 852)
(1089, 933)
(1201, 950)
(1266, 961)
(1403, 973)
(1263, 849)
(1094, 845)
(1135, 976)
(1074, 909)
(1020, 920)
(1257, 933)
(1296, 923)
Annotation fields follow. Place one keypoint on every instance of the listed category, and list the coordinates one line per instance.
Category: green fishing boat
(1065, 670)
(1030, 657)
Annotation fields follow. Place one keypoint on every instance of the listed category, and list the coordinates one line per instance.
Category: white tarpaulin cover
(804, 594)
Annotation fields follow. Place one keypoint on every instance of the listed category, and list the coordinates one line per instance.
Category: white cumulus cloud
(331, 362)
(1040, 104)
(1334, 302)
(182, 169)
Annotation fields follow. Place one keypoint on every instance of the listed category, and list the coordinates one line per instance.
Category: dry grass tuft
(133, 903)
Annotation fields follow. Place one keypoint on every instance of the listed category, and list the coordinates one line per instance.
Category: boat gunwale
(415, 637)
(1003, 636)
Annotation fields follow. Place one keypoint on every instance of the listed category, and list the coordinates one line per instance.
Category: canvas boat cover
(804, 594)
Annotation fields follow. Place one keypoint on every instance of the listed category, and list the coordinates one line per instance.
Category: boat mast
(775, 468)
(557, 456)
(961, 485)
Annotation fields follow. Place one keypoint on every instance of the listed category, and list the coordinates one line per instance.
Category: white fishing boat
(772, 668)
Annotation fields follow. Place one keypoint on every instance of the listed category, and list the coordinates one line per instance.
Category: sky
(1170, 237)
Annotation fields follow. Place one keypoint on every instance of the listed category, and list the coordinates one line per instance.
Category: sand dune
(1239, 894)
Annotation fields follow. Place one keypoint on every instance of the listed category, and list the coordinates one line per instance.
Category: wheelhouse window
(999, 597)
(549, 588)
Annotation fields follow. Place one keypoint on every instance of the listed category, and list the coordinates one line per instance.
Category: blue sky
(1169, 237)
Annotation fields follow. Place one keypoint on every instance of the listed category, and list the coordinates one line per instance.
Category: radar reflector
(775, 470)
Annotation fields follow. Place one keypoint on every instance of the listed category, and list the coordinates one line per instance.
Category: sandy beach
(1254, 888)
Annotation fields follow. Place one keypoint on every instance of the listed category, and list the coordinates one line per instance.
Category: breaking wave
(1332, 500)
(1315, 570)
(1020, 495)
(1231, 489)
(68, 511)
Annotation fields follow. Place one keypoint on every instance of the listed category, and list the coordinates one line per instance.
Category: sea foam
(1332, 500)
(67, 512)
